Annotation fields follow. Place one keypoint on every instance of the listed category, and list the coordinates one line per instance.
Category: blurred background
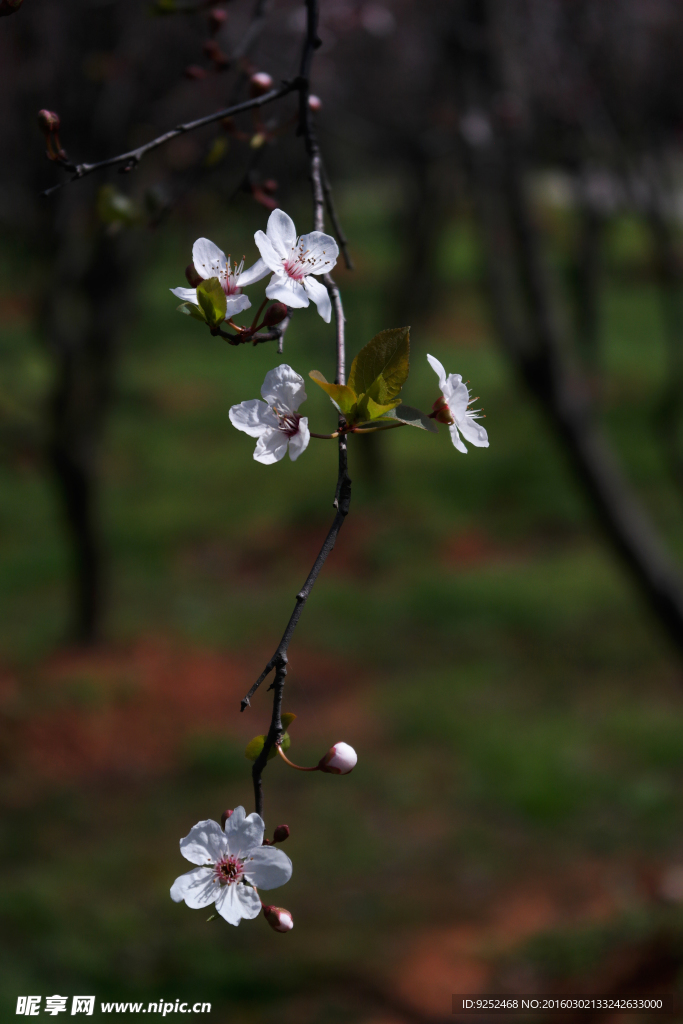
(499, 634)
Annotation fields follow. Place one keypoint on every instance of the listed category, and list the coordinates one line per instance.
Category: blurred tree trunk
(523, 309)
(82, 313)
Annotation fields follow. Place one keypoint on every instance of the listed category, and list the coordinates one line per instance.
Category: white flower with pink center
(453, 409)
(231, 864)
(210, 261)
(294, 262)
(275, 421)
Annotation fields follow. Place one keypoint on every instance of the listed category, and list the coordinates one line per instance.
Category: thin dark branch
(133, 157)
(332, 211)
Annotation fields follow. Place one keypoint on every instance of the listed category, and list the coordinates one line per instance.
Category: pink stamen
(228, 870)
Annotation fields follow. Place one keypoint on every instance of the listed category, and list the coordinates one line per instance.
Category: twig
(133, 157)
(331, 209)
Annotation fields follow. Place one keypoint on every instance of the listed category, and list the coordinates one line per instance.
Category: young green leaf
(189, 309)
(255, 746)
(414, 418)
(212, 300)
(369, 410)
(386, 356)
(343, 396)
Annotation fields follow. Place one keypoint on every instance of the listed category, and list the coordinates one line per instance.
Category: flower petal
(269, 255)
(235, 304)
(438, 370)
(457, 395)
(254, 273)
(204, 842)
(299, 443)
(268, 867)
(285, 289)
(243, 832)
(455, 438)
(253, 417)
(320, 295)
(228, 904)
(319, 252)
(283, 387)
(271, 447)
(186, 294)
(473, 431)
(208, 259)
(196, 887)
(249, 900)
(281, 233)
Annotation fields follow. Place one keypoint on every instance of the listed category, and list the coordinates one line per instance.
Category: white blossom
(275, 421)
(339, 759)
(231, 863)
(210, 261)
(293, 262)
(453, 409)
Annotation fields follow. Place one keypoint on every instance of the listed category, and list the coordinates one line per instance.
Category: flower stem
(291, 763)
(326, 437)
(375, 430)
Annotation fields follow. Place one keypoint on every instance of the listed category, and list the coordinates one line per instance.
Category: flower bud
(275, 314)
(269, 186)
(48, 121)
(217, 18)
(315, 103)
(441, 411)
(194, 72)
(224, 817)
(193, 279)
(279, 919)
(281, 833)
(339, 760)
(214, 53)
(260, 83)
(9, 7)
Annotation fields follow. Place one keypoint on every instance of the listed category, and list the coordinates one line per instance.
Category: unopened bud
(217, 18)
(441, 412)
(194, 280)
(224, 817)
(194, 72)
(315, 103)
(281, 833)
(269, 186)
(48, 120)
(9, 7)
(260, 83)
(275, 314)
(339, 760)
(214, 53)
(279, 919)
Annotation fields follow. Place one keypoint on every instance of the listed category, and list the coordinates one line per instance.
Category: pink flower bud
(339, 760)
(9, 7)
(214, 53)
(224, 817)
(315, 103)
(217, 17)
(275, 314)
(48, 120)
(260, 83)
(281, 833)
(279, 919)
(441, 413)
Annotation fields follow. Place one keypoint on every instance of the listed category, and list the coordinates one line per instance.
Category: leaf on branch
(369, 410)
(381, 367)
(413, 418)
(212, 300)
(255, 746)
(287, 717)
(343, 397)
(189, 309)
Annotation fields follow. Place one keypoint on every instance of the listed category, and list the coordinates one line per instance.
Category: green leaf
(369, 410)
(255, 746)
(342, 395)
(381, 367)
(190, 309)
(287, 718)
(212, 300)
(414, 418)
